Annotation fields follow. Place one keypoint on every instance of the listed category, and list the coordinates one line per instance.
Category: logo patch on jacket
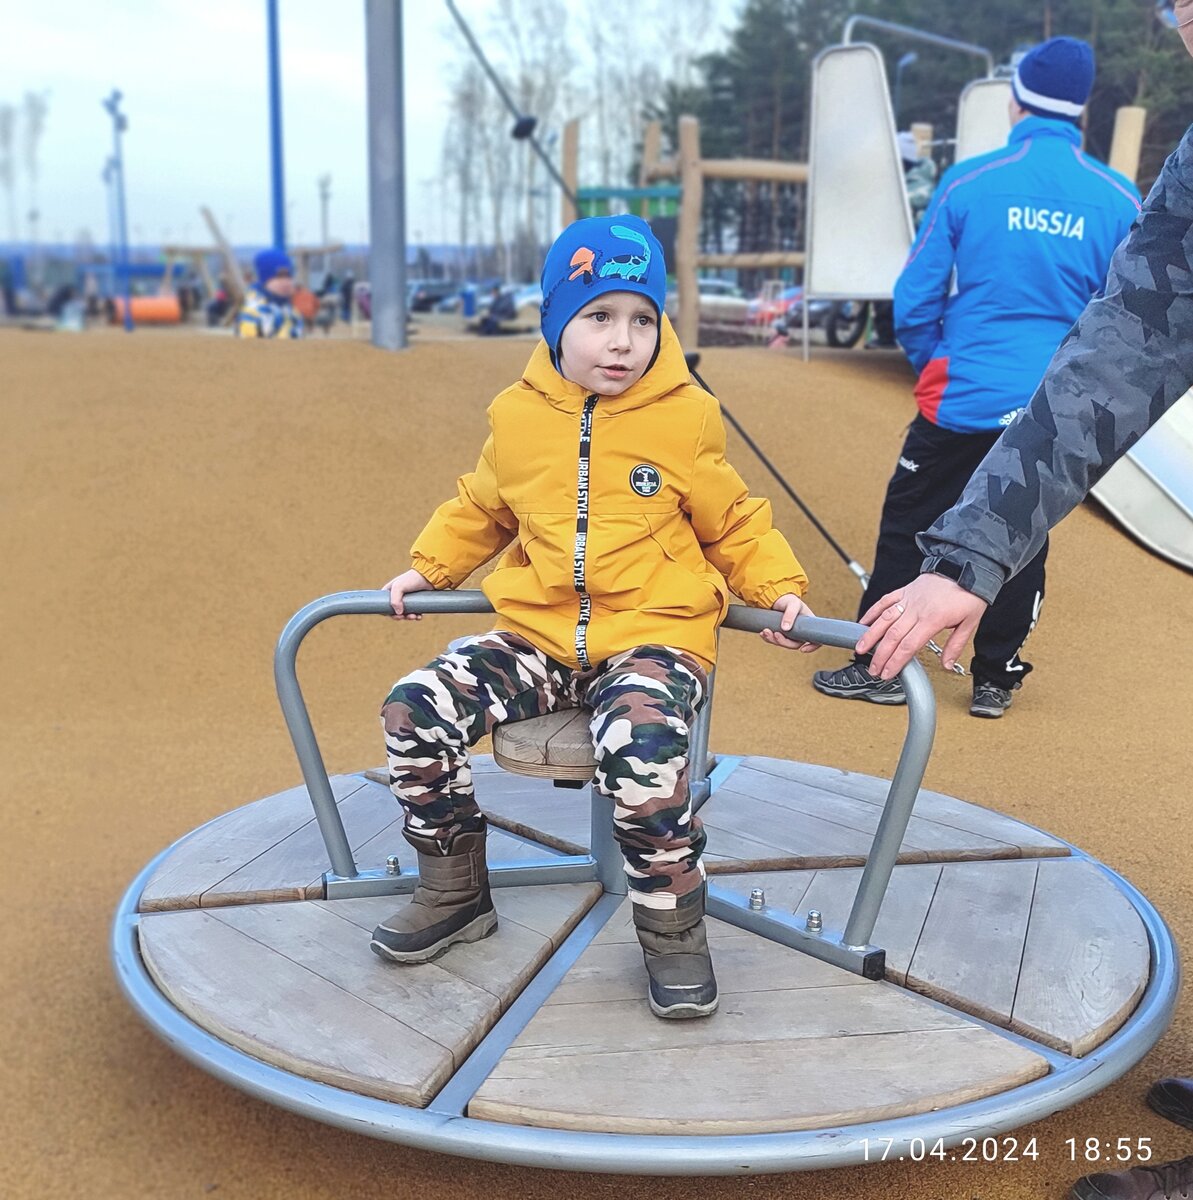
(645, 479)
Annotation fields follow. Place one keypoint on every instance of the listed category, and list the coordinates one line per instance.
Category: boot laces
(1173, 1175)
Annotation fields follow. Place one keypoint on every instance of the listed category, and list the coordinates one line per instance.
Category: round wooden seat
(555, 746)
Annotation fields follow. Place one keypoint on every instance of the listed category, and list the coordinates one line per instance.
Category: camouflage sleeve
(921, 182)
(1128, 359)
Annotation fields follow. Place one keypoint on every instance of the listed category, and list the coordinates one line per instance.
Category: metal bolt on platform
(814, 923)
(392, 866)
(757, 898)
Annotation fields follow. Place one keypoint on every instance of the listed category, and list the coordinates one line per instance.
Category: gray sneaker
(1164, 1181)
(854, 682)
(989, 700)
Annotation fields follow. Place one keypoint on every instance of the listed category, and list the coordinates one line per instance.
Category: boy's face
(281, 284)
(607, 346)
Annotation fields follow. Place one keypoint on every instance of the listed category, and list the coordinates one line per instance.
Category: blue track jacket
(1010, 251)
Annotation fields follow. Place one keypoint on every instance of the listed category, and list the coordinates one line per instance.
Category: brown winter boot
(675, 947)
(450, 904)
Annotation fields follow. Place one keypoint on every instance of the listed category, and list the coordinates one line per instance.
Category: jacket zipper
(578, 553)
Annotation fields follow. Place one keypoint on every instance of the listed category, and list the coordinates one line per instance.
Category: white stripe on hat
(1025, 96)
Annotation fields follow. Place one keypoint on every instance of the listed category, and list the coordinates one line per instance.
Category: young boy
(605, 475)
(268, 310)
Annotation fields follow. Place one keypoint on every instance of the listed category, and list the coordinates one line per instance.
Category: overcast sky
(194, 78)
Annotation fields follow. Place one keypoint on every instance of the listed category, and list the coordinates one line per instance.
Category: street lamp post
(324, 197)
(116, 166)
(906, 61)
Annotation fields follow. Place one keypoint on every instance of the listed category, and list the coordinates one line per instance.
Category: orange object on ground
(152, 310)
(306, 303)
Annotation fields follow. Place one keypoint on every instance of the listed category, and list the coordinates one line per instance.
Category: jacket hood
(670, 371)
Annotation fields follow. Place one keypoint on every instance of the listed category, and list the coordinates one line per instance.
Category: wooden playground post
(922, 132)
(652, 141)
(693, 170)
(1127, 143)
(687, 234)
(232, 271)
(569, 169)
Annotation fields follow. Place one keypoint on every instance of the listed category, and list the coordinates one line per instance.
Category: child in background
(268, 310)
(604, 478)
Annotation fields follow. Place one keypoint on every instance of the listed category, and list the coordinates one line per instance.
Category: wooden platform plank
(937, 842)
(831, 892)
(262, 1003)
(819, 817)
(532, 922)
(1085, 962)
(805, 838)
(971, 947)
(934, 806)
(614, 970)
(296, 985)
(435, 1003)
(293, 868)
(796, 1044)
(224, 845)
(537, 809)
(793, 1013)
(753, 1087)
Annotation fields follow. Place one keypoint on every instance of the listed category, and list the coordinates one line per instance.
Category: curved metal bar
(919, 35)
(905, 785)
(294, 709)
(896, 813)
(645, 1154)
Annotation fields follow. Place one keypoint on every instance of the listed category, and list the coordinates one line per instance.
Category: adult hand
(904, 621)
(400, 586)
(792, 607)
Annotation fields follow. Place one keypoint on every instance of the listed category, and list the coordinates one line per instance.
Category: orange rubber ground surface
(170, 500)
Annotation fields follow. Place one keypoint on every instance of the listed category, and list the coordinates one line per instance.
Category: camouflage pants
(643, 703)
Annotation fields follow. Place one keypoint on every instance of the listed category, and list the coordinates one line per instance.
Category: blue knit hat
(269, 262)
(1054, 79)
(595, 256)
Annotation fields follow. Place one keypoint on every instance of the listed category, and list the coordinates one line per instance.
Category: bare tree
(8, 121)
(558, 63)
(461, 145)
(37, 105)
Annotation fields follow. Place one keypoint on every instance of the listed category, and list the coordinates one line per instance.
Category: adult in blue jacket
(1011, 249)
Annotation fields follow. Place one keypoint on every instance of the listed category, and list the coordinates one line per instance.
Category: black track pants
(933, 469)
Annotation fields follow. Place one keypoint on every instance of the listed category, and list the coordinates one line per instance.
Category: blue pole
(275, 129)
(119, 125)
(113, 234)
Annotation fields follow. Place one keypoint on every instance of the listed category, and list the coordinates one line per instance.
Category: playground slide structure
(983, 119)
(859, 222)
(1149, 491)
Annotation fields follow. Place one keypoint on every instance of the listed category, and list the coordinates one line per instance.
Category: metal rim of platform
(1067, 1083)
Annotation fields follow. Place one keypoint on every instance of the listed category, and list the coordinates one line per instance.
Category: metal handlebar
(921, 706)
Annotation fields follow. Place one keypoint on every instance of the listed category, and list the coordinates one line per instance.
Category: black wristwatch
(942, 566)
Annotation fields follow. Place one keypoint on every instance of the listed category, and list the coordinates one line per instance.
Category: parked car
(424, 294)
(721, 302)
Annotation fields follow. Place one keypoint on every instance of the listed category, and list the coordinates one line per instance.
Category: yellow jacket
(632, 537)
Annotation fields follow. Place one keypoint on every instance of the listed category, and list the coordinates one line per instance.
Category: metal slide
(1149, 491)
(859, 222)
(983, 122)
